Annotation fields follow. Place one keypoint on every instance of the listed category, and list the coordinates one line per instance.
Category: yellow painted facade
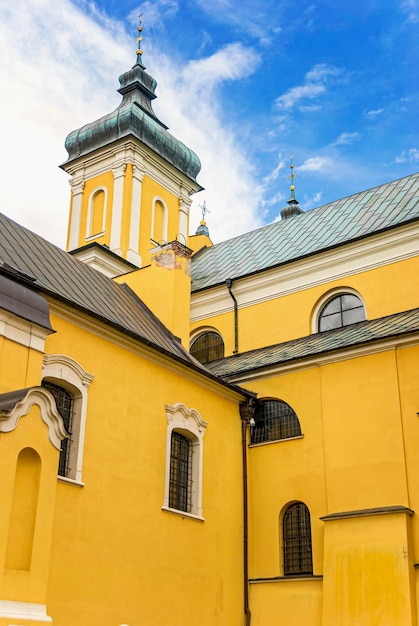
(121, 536)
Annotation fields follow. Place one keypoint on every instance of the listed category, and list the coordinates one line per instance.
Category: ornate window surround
(189, 423)
(67, 373)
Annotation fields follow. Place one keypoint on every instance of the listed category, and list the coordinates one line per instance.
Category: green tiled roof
(318, 344)
(328, 226)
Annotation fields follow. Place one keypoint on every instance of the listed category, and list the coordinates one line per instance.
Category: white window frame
(89, 221)
(67, 373)
(189, 423)
(330, 295)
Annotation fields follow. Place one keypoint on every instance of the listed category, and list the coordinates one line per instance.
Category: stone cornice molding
(134, 152)
(118, 170)
(54, 360)
(77, 185)
(181, 410)
(44, 400)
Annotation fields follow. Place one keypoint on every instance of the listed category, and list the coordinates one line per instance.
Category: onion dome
(134, 117)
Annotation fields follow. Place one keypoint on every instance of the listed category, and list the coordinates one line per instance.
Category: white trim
(23, 332)
(68, 373)
(77, 186)
(183, 513)
(202, 330)
(100, 260)
(134, 228)
(343, 354)
(43, 399)
(133, 151)
(181, 418)
(318, 269)
(164, 222)
(89, 220)
(328, 297)
(11, 609)
(118, 171)
(184, 208)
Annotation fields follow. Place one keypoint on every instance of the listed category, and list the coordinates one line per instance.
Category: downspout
(229, 283)
(247, 410)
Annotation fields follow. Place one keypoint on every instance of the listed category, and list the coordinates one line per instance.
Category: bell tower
(131, 181)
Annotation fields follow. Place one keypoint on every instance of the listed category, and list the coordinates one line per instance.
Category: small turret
(293, 207)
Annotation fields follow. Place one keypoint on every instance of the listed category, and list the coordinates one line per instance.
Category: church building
(197, 434)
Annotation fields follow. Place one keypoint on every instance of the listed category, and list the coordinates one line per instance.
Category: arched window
(159, 221)
(208, 347)
(296, 531)
(342, 310)
(68, 382)
(184, 460)
(65, 407)
(275, 420)
(96, 212)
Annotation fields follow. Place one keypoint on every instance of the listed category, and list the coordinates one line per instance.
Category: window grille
(208, 347)
(341, 311)
(297, 540)
(65, 407)
(275, 420)
(180, 484)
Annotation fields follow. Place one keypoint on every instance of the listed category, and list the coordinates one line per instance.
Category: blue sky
(242, 83)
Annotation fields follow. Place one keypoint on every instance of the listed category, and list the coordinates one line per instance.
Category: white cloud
(321, 72)
(70, 77)
(314, 85)
(411, 155)
(316, 164)
(374, 112)
(272, 176)
(345, 139)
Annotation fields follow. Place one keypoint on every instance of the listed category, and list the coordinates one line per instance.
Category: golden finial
(139, 38)
(292, 176)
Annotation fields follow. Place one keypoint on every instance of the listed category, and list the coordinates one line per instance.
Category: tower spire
(293, 207)
(139, 40)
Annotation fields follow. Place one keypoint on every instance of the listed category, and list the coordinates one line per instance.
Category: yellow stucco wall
(290, 316)
(116, 556)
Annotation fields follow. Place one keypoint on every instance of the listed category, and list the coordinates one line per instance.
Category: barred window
(341, 311)
(297, 540)
(65, 407)
(275, 420)
(180, 482)
(208, 347)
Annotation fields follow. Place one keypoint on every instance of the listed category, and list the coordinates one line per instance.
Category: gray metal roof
(317, 344)
(340, 222)
(44, 267)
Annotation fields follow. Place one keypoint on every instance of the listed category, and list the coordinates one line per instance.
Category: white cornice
(139, 155)
(353, 258)
(102, 261)
(22, 331)
(343, 354)
(22, 611)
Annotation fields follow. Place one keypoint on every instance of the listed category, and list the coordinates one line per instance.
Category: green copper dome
(134, 117)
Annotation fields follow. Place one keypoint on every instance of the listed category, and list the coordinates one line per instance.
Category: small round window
(341, 311)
